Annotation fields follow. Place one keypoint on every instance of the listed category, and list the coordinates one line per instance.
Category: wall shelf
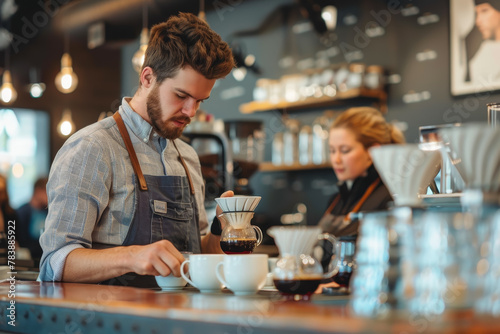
(342, 98)
(269, 167)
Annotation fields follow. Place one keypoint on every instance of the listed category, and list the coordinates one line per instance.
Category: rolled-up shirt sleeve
(78, 193)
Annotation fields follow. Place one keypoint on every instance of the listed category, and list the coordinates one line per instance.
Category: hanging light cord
(7, 59)
(144, 14)
(66, 42)
(201, 14)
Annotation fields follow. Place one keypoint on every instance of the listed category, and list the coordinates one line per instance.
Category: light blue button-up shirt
(91, 188)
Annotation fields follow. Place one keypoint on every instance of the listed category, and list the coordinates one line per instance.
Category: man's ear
(147, 77)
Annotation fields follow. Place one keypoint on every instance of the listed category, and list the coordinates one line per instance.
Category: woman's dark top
(333, 221)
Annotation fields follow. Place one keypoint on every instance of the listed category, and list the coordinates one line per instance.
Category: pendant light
(66, 80)
(36, 88)
(8, 93)
(66, 125)
(139, 55)
(201, 14)
(329, 15)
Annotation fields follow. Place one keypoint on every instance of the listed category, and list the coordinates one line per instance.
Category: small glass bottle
(305, 145)
(374, 77)
(290, 142)
(277, 153)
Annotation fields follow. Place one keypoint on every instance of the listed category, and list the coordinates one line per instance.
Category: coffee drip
(238, 235)
(297, 272)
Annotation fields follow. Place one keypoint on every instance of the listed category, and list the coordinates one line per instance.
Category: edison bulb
(239, 73)
(138, 58)
(66, 125)
(66, 80)
(37, 89)
(66, 128)
(7, 92)
(139, 55)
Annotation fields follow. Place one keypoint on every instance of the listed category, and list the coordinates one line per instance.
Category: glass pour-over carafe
(297, 272)
(238, 236)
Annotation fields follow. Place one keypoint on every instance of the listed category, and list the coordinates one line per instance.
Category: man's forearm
(95, 265)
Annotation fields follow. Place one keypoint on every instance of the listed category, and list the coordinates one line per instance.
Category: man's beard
(165, 129)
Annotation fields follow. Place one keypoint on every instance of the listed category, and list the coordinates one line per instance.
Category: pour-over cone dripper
(406, 170)
(476, 150)
(238, 203)
(237, 220)
(293, 240)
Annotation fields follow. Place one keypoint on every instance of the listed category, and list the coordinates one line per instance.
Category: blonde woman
(359, 186)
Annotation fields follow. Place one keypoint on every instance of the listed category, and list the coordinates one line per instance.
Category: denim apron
(165, 209)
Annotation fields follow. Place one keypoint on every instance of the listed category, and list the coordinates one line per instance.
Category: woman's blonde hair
(369, 126)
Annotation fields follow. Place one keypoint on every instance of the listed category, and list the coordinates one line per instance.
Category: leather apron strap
(133, 157)
(361, 201)
(131, 152)
(186, 168)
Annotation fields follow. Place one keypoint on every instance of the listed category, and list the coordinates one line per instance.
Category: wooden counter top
(88, 308)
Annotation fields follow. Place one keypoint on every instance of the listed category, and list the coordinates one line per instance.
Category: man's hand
(218, 210)
(210, 244)
(159, 258)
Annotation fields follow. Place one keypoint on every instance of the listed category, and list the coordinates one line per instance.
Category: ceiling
(123, 19)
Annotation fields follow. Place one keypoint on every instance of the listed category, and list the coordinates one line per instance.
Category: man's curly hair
(187, 40)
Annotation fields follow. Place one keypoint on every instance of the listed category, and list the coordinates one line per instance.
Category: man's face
(172, 104)
(487, 20)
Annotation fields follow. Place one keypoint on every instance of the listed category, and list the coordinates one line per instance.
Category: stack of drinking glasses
(476, 147)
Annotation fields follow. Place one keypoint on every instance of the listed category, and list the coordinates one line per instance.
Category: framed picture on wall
(474, 46)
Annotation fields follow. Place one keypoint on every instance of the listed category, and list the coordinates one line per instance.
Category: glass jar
(261, 90)
(277, 153)
(290, 142)
(356, 76)
(305, 145)
(341, 76)
(374, 77)
(320, 146)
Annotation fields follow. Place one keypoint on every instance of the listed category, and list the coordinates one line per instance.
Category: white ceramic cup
(170, 282)
(202, 272)
(243, 274)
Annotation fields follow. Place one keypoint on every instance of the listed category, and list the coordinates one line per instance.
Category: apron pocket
(171, 221)
(172, 210)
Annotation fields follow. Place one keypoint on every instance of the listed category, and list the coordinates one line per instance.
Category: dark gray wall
(396, 51)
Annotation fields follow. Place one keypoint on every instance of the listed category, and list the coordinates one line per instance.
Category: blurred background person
(7, 213)
(359, 185)
(484, 66)
(32, 219)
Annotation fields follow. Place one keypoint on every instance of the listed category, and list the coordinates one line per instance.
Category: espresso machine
(449, 179)
(246, 140)
(229, 155)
